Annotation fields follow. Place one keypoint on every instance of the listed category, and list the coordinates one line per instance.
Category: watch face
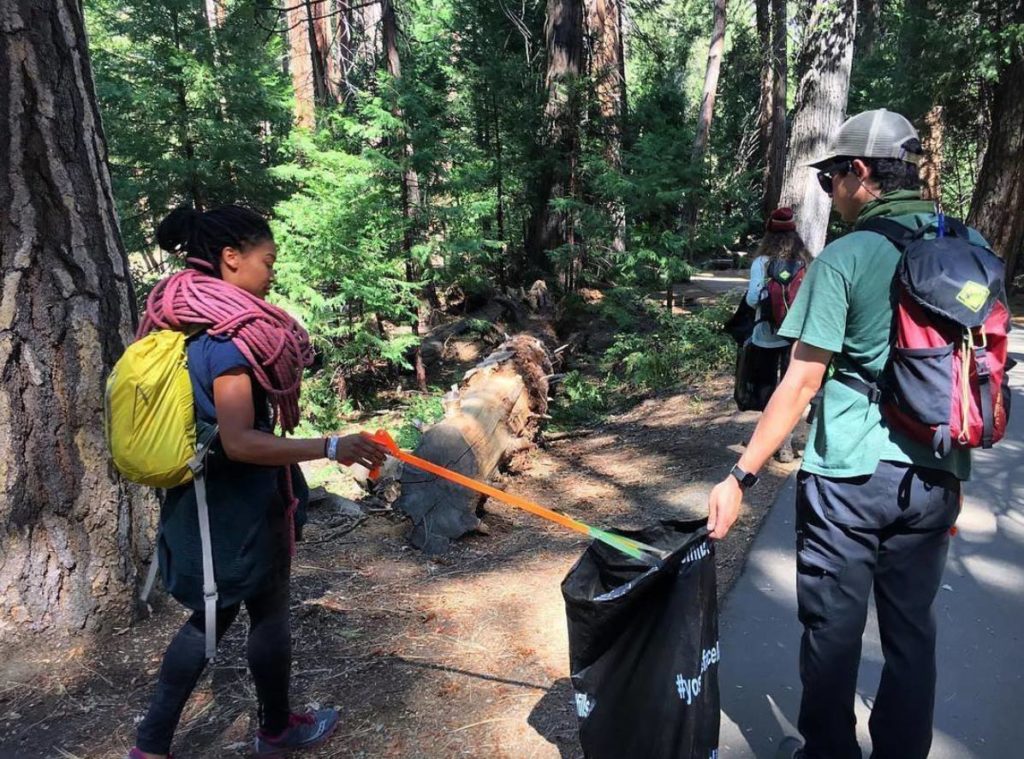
(745, 479)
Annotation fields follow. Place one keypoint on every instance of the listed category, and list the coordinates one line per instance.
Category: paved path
(979, 711)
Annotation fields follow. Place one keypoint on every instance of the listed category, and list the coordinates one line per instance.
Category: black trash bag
(740, 326)
(757, 375)
(643, 647)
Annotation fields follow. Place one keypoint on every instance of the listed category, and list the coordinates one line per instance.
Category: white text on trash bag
(689, 688)
(584, 705)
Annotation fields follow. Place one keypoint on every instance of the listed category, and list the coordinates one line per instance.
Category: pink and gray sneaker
(304, 731)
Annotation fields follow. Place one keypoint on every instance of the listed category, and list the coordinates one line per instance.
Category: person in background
(782, 252)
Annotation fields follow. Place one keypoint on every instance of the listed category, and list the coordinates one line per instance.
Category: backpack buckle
(197, 463)
(972, 338)
(875, 394)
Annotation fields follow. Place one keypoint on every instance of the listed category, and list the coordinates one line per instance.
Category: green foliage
(579, 400)
(680, 348)
(201, 115)
(945, 53)
(422, 411)
(339, 267)
(190, 114)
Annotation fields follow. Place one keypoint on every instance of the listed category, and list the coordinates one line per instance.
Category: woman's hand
(360, 449)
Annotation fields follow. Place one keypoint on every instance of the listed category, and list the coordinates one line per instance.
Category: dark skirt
(247, 531)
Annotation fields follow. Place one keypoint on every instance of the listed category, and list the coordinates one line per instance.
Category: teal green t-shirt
(845, 306)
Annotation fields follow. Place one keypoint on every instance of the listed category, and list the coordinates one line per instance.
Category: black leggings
(270, 659)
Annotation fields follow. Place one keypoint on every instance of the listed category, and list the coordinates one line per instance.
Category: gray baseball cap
(872, 134)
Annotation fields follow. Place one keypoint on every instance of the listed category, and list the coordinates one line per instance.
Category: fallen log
(495, 412)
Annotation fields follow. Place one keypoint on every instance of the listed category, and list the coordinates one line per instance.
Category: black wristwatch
(745, 479)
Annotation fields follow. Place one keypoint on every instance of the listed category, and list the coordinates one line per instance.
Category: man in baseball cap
(873, 507)
(873, 134)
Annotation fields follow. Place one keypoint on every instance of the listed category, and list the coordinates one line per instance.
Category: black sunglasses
(826, 175)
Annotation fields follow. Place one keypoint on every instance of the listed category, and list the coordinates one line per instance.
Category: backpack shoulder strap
(210, 596)
(891, 230)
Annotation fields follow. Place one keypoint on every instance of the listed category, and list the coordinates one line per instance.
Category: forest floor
(460, 655)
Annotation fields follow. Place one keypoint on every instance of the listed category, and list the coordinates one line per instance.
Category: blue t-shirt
(208, 358)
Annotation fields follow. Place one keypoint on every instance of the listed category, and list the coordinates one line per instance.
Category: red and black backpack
(783, 279)
(946, 379)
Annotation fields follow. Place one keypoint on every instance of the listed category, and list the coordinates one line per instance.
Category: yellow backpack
(151, 433)
(149, 411)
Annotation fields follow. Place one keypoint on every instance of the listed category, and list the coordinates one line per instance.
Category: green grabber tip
(628, 546)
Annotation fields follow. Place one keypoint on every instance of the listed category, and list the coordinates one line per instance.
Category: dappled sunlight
(997, 574)
(976, 525)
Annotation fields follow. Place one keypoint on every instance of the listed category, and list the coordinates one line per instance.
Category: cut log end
(501, 404)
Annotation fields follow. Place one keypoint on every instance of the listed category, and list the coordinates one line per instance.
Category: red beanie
(782, 220)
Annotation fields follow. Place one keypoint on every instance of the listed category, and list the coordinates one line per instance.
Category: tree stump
(500, 405)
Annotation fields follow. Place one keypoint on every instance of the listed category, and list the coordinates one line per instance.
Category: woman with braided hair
(245, 360)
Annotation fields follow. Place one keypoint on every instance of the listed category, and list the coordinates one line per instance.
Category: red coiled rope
(275, 345)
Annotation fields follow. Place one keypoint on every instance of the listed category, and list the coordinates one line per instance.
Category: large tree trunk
(867, 38)
(604, 24)
(498, 409)
(215, 13)
(330, 46)
(714, 67)
(325, 69)
(563, 32)
(410, 190)
(824, 65)
(688, 209)
(763, 24)
(411, 182)
(368, 45)
(300, 63)
(71, 533)
(775, 161)
(336, 30)
(997, 209)
(931, 164)
(771, 126)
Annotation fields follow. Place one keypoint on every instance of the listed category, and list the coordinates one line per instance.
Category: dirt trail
(460, 656)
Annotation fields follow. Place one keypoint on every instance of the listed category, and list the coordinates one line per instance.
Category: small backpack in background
(946, 380)
(783, 283)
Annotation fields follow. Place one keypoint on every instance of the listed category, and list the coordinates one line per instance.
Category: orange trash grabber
(628, 546)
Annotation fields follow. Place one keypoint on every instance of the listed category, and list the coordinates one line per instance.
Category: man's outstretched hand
(724, 507)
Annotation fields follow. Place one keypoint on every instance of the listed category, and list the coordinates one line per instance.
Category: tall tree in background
(997, 209)
(70, 532)
(215, 13)
(604, 27)
(870, 21)
(823, 66)
(931, 164)
(367, 31)
(772, 32)
(690, 209)
(410, 179)
(334, 40)
(714, 67)
(563, 34)
(301, 43)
